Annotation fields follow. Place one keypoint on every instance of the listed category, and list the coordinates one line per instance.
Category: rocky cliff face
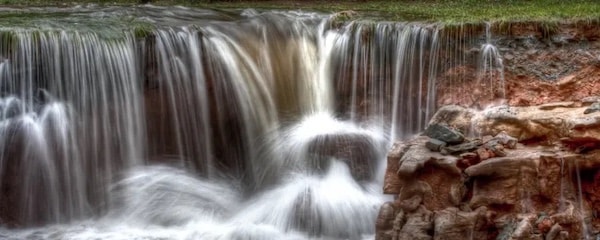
(520, 173)
(528, 168)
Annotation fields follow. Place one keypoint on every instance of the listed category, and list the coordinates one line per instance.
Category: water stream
(177, 123)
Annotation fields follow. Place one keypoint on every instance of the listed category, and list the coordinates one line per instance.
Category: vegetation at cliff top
(398, 10)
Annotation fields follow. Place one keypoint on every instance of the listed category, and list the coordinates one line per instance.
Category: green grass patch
(447, 11)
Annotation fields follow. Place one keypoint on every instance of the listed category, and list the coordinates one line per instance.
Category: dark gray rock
(435, 145)
(444, 133)
(464, 147)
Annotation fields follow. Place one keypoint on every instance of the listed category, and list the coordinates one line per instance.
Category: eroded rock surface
(528, 173)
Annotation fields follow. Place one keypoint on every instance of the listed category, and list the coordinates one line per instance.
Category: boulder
(463, 147)
(458, 117)
(435, 145)
(356, 150)
(444, 133)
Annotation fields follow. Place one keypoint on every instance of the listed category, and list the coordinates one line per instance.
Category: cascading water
(211, 125)
(491, 69)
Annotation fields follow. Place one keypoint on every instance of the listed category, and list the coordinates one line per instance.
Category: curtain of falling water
(244, 79)
(72, 118)
(238, 99)
(386, 72)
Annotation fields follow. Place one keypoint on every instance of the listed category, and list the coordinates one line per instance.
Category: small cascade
(67, 95)
(491, 69)
(387, 73)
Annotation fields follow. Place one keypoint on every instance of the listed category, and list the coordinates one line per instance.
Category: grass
(448, 11)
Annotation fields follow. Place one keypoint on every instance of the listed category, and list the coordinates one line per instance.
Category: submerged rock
(356, 150)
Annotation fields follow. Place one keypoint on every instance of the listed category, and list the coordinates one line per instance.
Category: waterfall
(208, 125)
(67, 97)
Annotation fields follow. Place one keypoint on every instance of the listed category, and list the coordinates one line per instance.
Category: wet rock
(418, 225)
(435, 145)
(463, 147)
(455, 116)
(422, 172)
(567, 216)
(452, 223)
(392, 183)
(385, 218)
(503, 181)
(356, 150)
(415, 158)
(444, 133)
(384, 235)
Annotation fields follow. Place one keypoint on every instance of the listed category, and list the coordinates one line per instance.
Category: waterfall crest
(208, 125)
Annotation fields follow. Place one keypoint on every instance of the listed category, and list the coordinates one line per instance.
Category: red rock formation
(543, 187)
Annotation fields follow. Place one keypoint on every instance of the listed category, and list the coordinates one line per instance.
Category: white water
(217, 125)
(491, 69)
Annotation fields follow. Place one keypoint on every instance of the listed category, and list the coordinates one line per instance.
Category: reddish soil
(562, 67)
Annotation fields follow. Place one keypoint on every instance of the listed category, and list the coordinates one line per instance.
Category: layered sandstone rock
(543, 187)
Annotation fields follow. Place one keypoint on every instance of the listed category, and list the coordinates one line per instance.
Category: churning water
(175, 123)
